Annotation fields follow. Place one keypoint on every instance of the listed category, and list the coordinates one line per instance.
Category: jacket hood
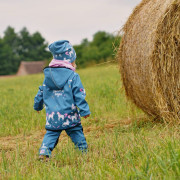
(56, 78)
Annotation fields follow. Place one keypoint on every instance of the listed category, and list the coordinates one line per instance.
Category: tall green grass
(123, 153)
(104, 96)
(141, 150)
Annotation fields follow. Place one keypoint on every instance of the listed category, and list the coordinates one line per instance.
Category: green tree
(10, 48)
(100, 38)
(98, 50)
(22, 46)
(6, 59)
(32, 47)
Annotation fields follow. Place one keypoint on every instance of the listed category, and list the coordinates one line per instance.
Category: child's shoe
(44, 158)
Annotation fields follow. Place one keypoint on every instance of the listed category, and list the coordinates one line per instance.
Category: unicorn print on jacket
(65, 123)
(60, 116)
(73, 107)
(73, 118)
(51, 116)
(83, 91)
(47, 123)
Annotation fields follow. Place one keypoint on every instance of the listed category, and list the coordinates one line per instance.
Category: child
(63, 95)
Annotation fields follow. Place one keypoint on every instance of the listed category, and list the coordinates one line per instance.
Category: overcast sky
(73, 20)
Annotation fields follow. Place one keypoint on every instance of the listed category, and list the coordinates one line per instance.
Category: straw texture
(149, 58)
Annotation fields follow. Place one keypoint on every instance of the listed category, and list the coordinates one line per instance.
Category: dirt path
(10, 143)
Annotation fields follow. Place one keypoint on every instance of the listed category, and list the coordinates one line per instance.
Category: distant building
(31, 67)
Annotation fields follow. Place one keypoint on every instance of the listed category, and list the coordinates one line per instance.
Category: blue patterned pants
(51, 139)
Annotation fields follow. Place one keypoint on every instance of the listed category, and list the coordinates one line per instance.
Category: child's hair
(74, 64)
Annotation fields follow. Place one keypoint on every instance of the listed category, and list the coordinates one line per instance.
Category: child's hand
(86, 116)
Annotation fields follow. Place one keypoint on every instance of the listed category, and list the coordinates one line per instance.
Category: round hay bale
(149, 57)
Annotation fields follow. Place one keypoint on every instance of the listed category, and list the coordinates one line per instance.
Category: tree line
(23, 46)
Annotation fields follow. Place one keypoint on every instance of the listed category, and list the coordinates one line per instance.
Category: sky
(73, 20)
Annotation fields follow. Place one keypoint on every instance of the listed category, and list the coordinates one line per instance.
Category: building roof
(31, 67)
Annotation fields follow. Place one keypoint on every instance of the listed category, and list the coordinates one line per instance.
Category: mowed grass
(123, 142)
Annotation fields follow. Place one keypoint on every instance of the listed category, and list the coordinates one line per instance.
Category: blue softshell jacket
(63, 96)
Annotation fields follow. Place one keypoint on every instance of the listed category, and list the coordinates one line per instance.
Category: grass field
(123, 142)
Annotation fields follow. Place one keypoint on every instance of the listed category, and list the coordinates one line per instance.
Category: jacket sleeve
(79, 96)
(38, 100)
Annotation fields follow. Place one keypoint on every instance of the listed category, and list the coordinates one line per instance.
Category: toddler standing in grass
(63, 95)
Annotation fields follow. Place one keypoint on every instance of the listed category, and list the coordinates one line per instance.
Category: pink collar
(61, 63)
